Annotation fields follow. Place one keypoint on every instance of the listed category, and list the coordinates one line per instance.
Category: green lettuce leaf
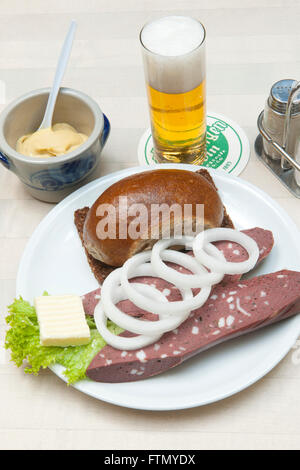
(23, 340)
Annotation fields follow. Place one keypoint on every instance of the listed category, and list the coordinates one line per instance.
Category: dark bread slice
(101, 270)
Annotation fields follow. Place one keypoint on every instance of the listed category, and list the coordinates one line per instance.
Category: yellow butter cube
(62, 320)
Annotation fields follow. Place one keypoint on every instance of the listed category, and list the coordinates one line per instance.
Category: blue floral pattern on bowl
(69, 173)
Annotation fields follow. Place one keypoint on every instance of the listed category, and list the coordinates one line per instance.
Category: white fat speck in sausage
(141, 356)
(229, 320)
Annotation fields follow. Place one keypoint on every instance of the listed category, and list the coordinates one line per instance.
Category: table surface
(250, 45)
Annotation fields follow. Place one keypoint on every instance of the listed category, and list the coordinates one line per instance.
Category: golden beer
(175, 79)
(178, 124)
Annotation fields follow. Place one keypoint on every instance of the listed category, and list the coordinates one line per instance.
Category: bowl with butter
(53, 162)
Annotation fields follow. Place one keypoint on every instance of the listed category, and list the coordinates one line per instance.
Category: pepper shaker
(278, 145)
(283, 129)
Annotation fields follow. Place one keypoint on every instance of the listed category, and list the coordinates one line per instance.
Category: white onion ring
(188, 303)
(160, 254)
(220, 234)
(120, 342)
(167, 323)
(117, 287)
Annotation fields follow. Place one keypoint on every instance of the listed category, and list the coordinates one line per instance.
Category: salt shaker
(283, 129)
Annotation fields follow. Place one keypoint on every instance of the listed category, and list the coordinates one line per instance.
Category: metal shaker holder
(286, 168)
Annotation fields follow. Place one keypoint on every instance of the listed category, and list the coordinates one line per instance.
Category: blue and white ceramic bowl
(51, 179)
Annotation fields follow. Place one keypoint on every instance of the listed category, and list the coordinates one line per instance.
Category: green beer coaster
(228, 146)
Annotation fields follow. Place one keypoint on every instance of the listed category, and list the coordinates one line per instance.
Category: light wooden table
(250, 45)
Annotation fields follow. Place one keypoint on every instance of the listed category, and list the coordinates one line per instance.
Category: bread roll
(169, 186)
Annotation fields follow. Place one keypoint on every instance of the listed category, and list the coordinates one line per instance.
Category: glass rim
(173, 56)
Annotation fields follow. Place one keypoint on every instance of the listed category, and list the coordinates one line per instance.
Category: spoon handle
(60, 71)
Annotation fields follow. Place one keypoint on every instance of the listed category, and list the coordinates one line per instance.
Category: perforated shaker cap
(279, 95)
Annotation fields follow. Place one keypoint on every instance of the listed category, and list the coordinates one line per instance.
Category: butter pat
(62, 320)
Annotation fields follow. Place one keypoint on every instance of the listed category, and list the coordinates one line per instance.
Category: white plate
(54, 261)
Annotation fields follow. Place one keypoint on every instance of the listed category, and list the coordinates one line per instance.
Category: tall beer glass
(173, 50)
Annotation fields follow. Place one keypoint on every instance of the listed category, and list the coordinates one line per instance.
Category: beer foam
(173, 35)
(173, 60)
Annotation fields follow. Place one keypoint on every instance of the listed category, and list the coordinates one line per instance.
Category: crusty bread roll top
(149, 188)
